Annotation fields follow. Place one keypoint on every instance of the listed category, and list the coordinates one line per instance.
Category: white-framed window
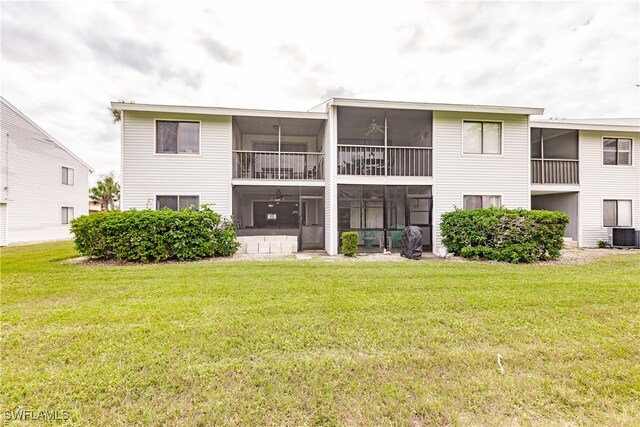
(616, 151)
(66, 215)
(176, 203)
(481, 137)
(617, 213)
(174, 137)
(480, 202)
(67, 176)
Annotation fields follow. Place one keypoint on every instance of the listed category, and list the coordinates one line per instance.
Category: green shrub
(603, 244)
(147, 235)
(511, 235)
(349, 243)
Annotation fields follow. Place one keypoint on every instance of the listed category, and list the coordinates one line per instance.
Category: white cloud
(63, 62)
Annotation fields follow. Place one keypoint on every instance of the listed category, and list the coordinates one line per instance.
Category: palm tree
(116, 115)
(106, 191)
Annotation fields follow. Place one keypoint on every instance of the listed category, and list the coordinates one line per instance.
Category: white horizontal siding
(31, 182)
(331, 186)
(457, 174)
(599, 182)
(3, 223)
(146, 174)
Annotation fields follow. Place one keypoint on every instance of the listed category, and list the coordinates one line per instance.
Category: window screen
(190, 202)
(177, 202)
(177, 137)
(481, 137)
(479, 202)
(67, 176)
(66, 215)
(616, 151)
(616, 213)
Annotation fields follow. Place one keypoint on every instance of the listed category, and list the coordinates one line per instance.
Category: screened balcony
(280, 149)
(384, 143)
(554, 156)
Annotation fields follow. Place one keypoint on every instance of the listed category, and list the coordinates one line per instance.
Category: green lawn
(316, 342)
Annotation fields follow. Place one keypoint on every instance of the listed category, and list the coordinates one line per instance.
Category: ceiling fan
(279, 196)
(374, 128)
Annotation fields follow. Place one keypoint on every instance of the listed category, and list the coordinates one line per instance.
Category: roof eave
(584, 126)
(46, 134)
(350, 102)
(217, 111)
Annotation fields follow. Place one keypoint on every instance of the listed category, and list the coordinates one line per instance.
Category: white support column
(331, 186)
(279, 149)
(386, 156)
(544, 177)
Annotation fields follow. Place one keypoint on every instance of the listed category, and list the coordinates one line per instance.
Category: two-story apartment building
(375, 167)
(43, 185)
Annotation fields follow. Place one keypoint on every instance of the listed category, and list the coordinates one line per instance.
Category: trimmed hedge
(349, 243)
(511, 235)
(147, 235)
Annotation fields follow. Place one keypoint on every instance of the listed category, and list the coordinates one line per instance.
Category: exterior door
(418, 213)
(311, 222)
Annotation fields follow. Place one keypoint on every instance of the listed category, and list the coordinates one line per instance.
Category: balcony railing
(554, 171)
(277, 165)
(384, 161)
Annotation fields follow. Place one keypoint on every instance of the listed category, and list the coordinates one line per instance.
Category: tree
(106, 191)
(116, 115)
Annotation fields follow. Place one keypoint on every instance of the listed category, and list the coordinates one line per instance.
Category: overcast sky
(62, 62)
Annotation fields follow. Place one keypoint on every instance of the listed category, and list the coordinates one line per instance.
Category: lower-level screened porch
(379, 214)
(281, 211)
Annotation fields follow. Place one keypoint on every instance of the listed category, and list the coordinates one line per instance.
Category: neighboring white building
(43, 185)
(375, 167)
(593, 174)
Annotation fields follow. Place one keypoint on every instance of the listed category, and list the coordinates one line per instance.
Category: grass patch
(313, 342)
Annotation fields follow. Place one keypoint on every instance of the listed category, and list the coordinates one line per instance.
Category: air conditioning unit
(625, 238)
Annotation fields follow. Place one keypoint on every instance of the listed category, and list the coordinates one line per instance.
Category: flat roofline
(320, 110)
(406, 105)
(217, 111)
(552, 124)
